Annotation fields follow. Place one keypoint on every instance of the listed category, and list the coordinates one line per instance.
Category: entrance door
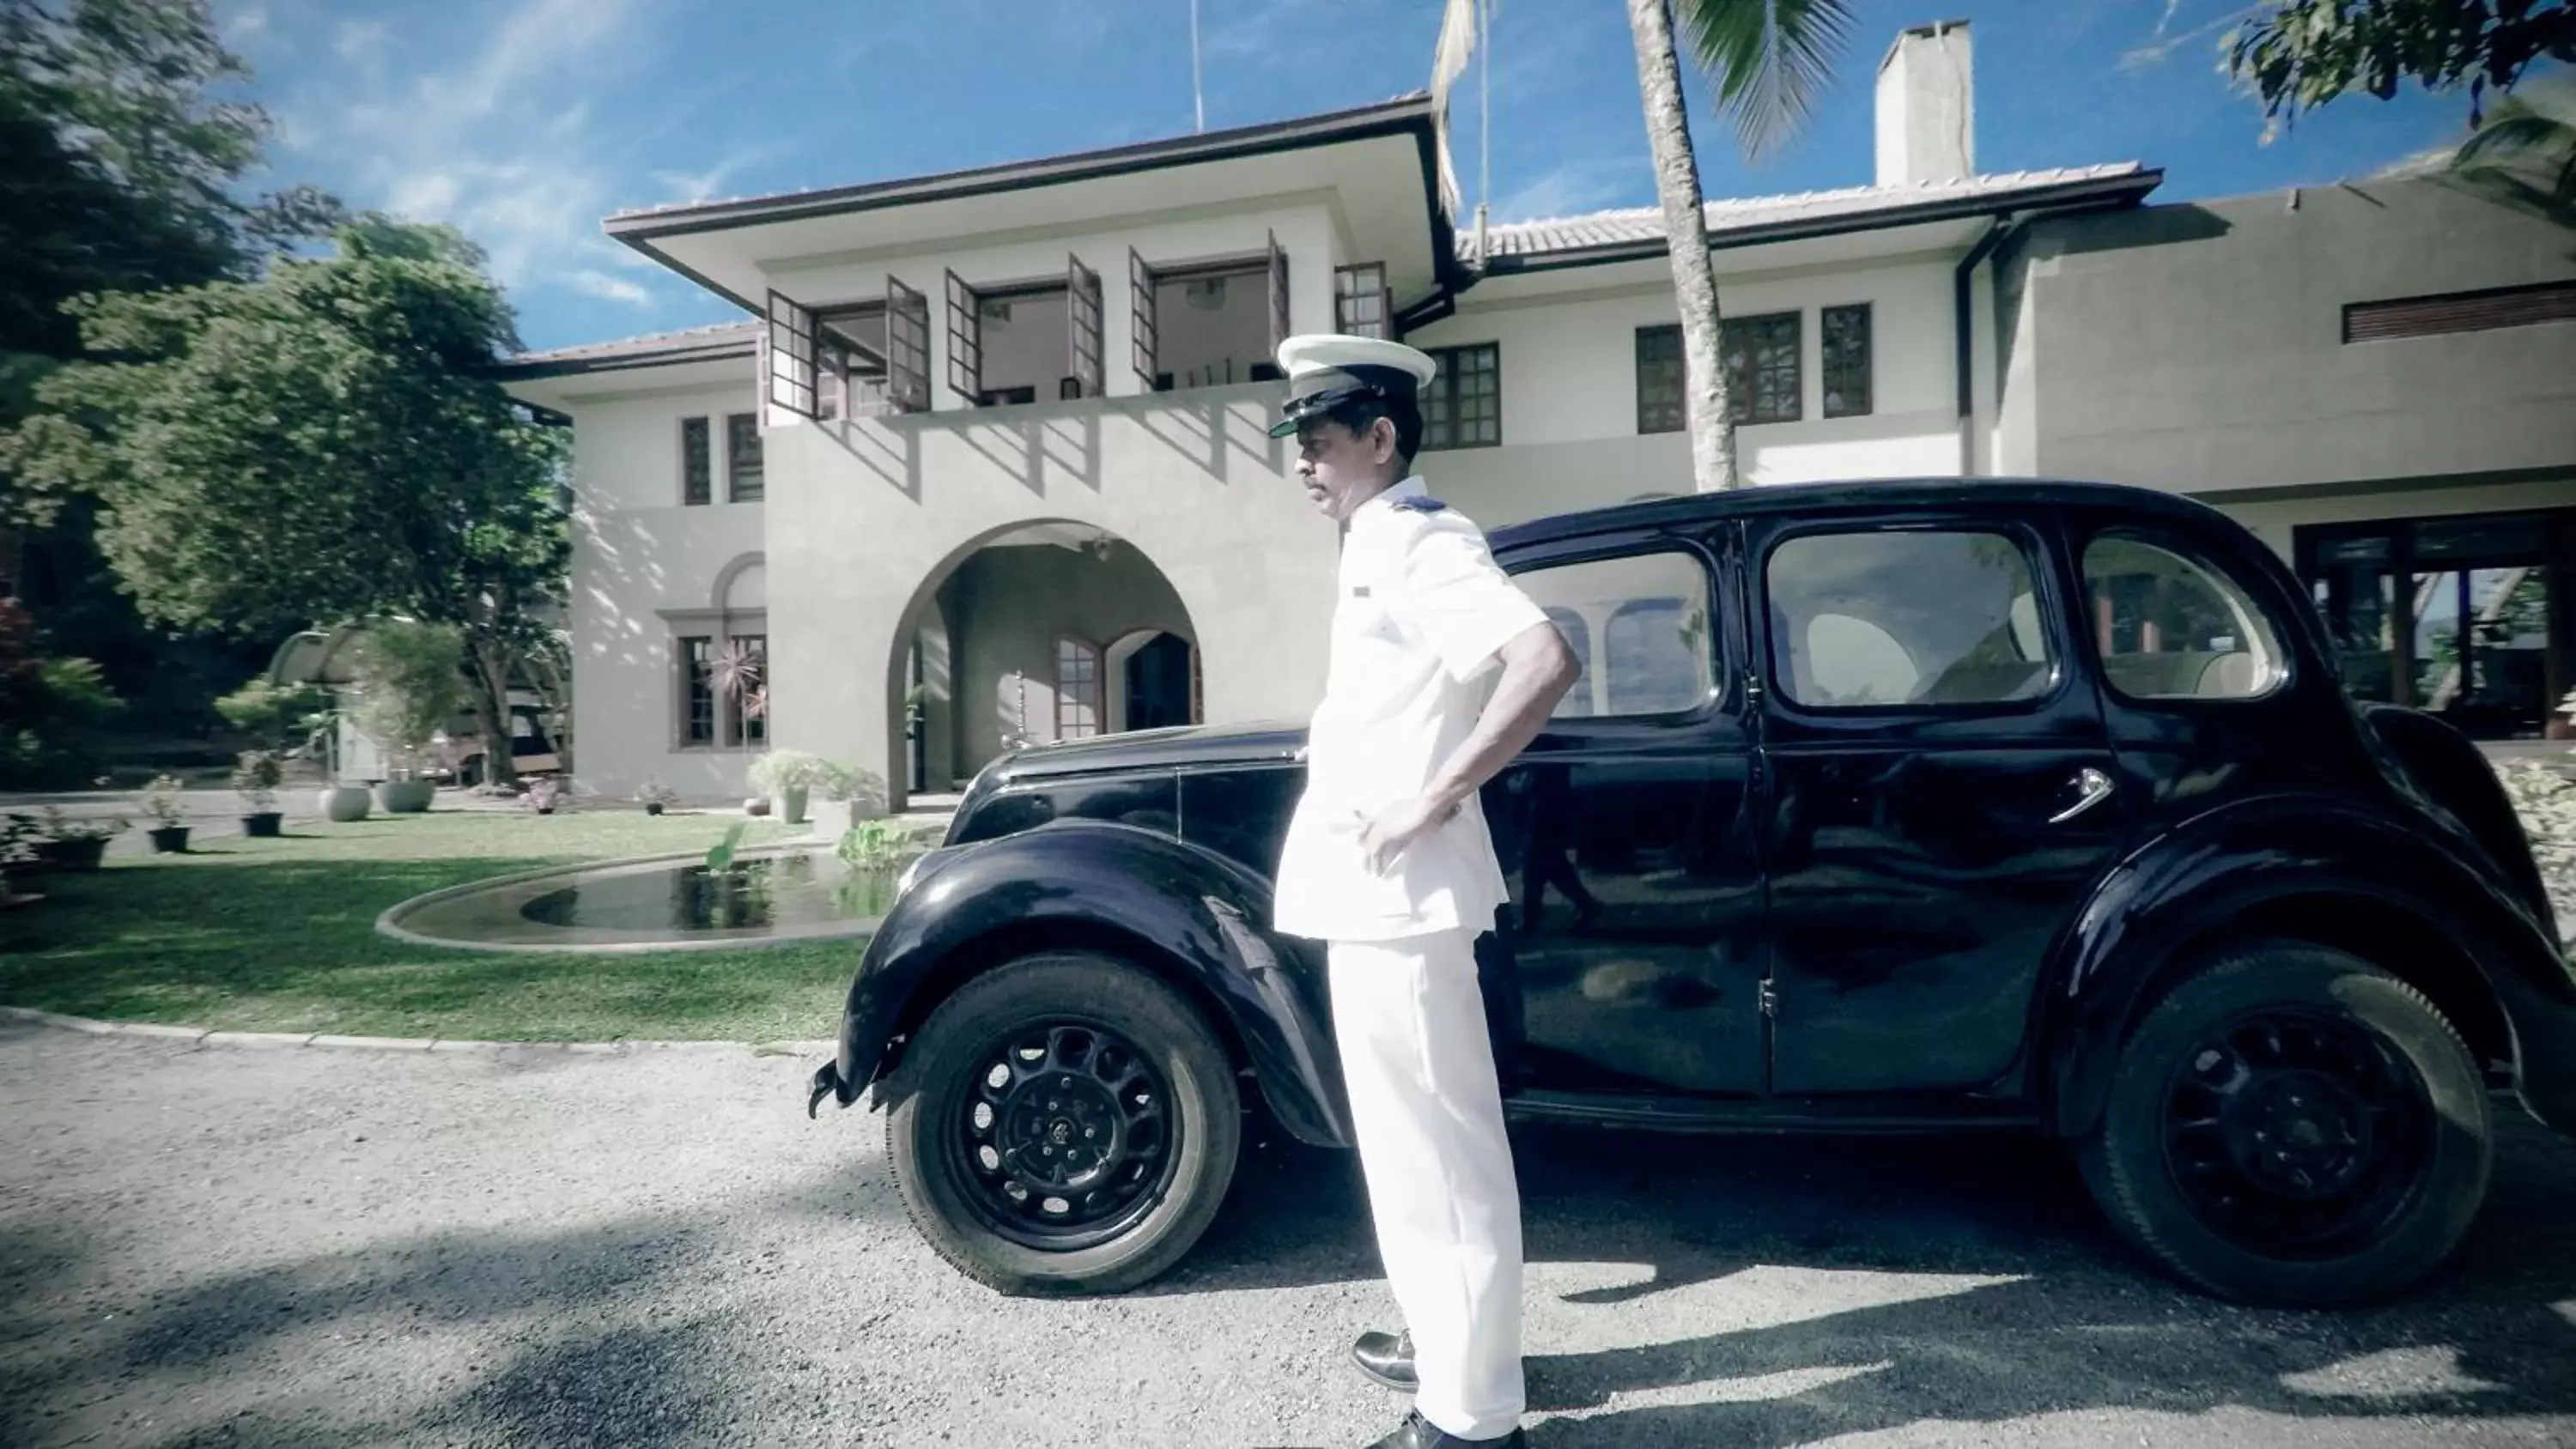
(1943, 794)
(1158, 683)
(1631, 946)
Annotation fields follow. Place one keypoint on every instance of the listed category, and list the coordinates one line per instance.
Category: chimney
(1927, 115)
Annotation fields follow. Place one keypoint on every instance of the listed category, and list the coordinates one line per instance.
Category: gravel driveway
(237, 1245)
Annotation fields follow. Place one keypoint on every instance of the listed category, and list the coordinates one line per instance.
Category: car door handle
(2096, 788)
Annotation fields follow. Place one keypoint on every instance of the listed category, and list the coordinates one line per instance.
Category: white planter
(343, 803)
(789, 805)
(832, 818)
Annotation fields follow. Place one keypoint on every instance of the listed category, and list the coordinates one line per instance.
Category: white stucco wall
(868, 518)
(636, 553)
(1569, 377)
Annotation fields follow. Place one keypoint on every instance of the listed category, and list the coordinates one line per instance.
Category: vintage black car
(1894, 806)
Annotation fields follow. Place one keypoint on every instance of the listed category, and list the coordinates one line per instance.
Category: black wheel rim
(1064, 1135)
(2298, 1134)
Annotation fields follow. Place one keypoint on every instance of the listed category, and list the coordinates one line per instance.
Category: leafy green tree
(2302, 54)
(409, 683)
(323, 444)
(2524, 153)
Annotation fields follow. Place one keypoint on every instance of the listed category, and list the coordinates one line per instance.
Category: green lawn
(279, 935)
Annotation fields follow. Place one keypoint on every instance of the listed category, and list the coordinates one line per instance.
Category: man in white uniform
(1388, 862)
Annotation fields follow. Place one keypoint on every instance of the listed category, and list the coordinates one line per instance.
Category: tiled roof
(1644, 225)
(695, 339)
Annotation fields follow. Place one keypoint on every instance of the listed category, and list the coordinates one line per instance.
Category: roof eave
(532, 370)
(2107, 191)
(1410, 114)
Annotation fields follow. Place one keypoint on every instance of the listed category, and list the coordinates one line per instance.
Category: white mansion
(996, 444)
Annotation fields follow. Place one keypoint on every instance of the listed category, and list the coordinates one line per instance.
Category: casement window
(1659, 380)
(2478, 311)
(1079, 704)
(697, 463)
(744, 714)
(1210, 323)
(1846, 361)
(697, 668)
(744, 482)
(1463, 407)
(1359, 300)
(1762, 374)
(1021, 342)
(1761, 359)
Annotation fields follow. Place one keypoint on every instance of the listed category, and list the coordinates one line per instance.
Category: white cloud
(496, 141)
(362, 42)
(251, 20)
(614, 289)
(1570, 190)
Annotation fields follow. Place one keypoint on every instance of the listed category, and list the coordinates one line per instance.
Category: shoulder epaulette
(1418, 504)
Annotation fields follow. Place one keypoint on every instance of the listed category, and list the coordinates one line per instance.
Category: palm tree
(1768, 58)
(2524, 153)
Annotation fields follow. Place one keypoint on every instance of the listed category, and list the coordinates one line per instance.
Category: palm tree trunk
(1659, 81)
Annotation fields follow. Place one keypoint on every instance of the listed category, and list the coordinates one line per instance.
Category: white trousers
(1428, 1115)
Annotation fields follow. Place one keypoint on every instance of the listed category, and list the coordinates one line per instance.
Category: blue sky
(527, 121)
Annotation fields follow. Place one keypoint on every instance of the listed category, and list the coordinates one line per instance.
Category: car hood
(1181, 747)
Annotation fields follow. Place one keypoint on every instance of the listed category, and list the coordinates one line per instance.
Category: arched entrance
(1035, 632)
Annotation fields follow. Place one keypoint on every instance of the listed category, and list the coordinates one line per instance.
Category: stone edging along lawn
(201, 1036)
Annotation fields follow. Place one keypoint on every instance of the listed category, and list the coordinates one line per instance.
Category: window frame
(1725, 636)
(2284, 642)
(1099, 699)
(1357, 281)
(1445, 383)
(1868, 368)
(1742, 398)
(1681, 377)
(2039, 554)
(705, 427)
(688, 675)
(733, 476)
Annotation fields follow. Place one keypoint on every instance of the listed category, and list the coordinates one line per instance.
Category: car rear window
(2173, 627)
(1878, 619)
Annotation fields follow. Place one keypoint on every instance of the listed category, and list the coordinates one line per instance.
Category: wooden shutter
(1082, 307)
(907, 348)
(1278, 295)
(965, 340)
(789, 355)
(1140, 292)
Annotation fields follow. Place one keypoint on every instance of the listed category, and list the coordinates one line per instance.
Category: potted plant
(256, 775)
(546, 791)
(850, 795)
(62, 843)
(657, 797)
(17, 854)
(410, 684)
(164, 800)
(787, 776)
(339, 801)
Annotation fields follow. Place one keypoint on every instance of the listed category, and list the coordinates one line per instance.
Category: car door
(1942, 791)
(1630, 952)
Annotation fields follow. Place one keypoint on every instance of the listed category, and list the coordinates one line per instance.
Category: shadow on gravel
(2046, 1309)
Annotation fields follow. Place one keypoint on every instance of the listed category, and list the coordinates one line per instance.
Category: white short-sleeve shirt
(1421, 610)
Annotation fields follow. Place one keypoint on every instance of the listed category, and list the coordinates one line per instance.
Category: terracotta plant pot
(263, 825)
(405, 797)
(344, 803)
(170, 839)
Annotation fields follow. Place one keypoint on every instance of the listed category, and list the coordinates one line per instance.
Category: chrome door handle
(2096, 787)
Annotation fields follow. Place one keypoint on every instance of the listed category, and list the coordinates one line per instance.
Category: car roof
(1831, 496)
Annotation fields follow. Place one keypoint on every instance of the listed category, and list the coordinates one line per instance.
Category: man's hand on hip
(1394, 830)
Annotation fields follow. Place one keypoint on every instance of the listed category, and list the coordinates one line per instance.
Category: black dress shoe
(1417, 1432)
(1387, 1358)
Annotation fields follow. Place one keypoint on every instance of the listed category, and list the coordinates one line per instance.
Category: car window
(1873, 619)
(2171, 627)
(1639, 626)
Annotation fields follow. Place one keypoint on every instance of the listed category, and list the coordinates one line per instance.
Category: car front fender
(1194, 918)
(2180, 889)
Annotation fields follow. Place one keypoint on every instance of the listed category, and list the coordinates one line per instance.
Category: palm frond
(1770, 59)
(2524, 153)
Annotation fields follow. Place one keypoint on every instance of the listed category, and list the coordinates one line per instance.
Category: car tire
(968, 1101)
(2293, 1125)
